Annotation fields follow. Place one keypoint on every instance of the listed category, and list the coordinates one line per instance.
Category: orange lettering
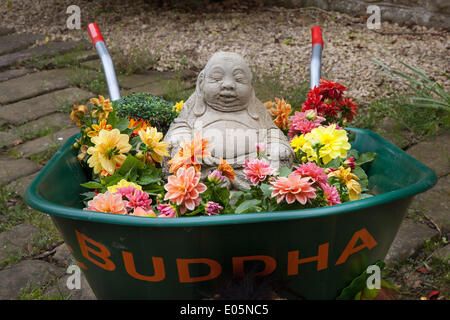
(183, 269)
(367, 239)
(103, 253)
(269, 262)
(321, 258)
(158, 266)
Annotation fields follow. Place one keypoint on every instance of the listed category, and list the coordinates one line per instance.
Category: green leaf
(112, 180)
(222, 195)
(130, 166)
(246, 205)
(353, 153)
(266, 189)
(365, 158)
(149, 175)
(284, 172)
(92, 185)
(363, 179)
(122, 124)
(236, 195)
(335, 163)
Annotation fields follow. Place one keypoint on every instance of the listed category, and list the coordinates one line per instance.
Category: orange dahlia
(282, 112)
(294, 187)
(184, 189)
(226, 169)
(190, 154)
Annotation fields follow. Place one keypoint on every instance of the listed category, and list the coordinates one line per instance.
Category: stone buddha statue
(224, 109)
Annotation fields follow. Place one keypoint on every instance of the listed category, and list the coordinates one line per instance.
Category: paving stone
(93, 65)
(41, 144)
(16, 239)
(12, 169)
(157, 88)
(34, 84)
(62, 256)
(138, 80)
(54, 121)
(30, 109)
(84, 293)
(443, 254)
(20, 185)
(7, 138)
(435, 153)
(48, 49)
(5, 31)
(435, 203)
(14, 73)
(409, 238)
(26, 273)
(15, 42)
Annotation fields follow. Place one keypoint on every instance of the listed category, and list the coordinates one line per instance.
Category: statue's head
(226, 82)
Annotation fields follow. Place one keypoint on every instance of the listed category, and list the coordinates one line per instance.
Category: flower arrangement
(122, 149)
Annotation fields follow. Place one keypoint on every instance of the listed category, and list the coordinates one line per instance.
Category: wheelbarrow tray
(312, 253)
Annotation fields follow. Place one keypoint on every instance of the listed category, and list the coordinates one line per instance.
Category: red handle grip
(95, 34)
(317, 36)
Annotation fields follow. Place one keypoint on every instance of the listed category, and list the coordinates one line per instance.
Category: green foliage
(156, 110)
(422, 111)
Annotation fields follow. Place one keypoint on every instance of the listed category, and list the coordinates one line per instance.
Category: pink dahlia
(184, 188)
(139, 199)
(302, 123)
(108, 202)
(141, 212)
(213, 208)
(294, 187)
(257, 170)
(331, 194)
(310, 169)
(126, 191)
(167, 211)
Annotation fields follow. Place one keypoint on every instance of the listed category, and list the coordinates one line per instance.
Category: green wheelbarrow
(315, 253)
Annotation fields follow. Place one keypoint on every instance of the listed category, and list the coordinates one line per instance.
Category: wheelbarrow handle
(108, 66)
(316, 57)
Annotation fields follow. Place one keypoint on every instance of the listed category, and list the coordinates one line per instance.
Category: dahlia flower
(226, 169)
(310, 169)
(334, 144)
(107, 202)
(151, 137)
(190, 154)
(304, 122)
(353, 187)
(331, 194)
(124, 184)
(167, 211)
(184, 188)
(257, 170)
(108, 151)
(139, 199)
(294, 187)
(212, 208)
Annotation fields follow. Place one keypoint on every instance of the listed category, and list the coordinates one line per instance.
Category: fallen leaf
(433, 295)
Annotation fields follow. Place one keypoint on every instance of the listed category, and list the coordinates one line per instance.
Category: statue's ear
(254, 107)
(199, 105)
(200, 82)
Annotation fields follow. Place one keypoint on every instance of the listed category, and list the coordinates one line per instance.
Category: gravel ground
(273, 40)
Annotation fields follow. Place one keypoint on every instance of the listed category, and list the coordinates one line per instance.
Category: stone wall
(430, 13)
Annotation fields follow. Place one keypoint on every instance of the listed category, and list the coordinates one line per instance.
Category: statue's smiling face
(227, 83)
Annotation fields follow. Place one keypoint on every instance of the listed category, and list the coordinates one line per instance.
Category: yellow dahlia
(334, 143)
(104, 107)
(178, 106)
(151, 137)
(96, 128)
(109, 150)
(297, 142)
(123, 184)
(354, 188)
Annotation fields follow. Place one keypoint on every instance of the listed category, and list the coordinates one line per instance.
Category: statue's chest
(231, 134)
